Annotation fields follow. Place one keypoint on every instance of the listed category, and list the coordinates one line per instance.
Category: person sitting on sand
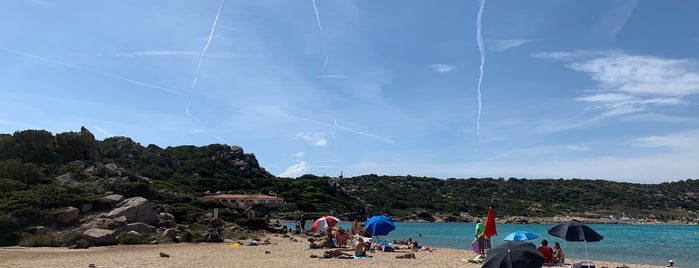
(413, 246)
(331, 237)
(558, 258)
(546, 251)
(342, 238)
(360, 247)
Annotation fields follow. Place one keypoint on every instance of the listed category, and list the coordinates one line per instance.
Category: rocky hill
(69, 181)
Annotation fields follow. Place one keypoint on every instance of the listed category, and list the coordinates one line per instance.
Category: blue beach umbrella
(379, 225)
(520, 236)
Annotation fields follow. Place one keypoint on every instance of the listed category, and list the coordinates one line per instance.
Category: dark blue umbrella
(514, 254)
(379, 225)
(520, 236)
(574, 231)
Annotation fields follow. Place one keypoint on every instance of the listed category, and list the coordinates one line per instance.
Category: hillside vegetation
(41, 172)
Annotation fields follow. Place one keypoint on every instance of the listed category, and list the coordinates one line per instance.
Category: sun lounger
(582, 264)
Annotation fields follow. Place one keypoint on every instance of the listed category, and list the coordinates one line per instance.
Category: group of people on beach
(551, 256)
(338, 240)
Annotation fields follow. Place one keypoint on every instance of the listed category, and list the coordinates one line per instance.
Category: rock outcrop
(68, 215)
(135, 209)
(100, 237)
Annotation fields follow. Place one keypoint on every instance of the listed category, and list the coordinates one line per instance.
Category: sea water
(653, 244)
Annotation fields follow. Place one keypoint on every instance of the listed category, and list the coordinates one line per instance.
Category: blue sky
(570, 89)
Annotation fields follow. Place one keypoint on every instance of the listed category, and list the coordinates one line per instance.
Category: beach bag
(474, 245)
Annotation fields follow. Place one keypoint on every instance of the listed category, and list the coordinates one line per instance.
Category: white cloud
(443, 68)
(687, 140)
(298, 154)
(296, 170)
(510, 43)
(316, 139)
(628, 84)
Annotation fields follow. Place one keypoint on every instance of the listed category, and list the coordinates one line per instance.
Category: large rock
(170, 232)
(135, 209)
(139, 227)
(113, 198)
(100, 237)
(113, 170)
(68, 215)
(67, 180)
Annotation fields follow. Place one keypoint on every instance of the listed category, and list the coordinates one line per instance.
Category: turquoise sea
(653, 244)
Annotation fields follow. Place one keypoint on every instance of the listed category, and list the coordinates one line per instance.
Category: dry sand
(284, 253)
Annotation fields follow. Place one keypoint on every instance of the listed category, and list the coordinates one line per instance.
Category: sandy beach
(283, 253)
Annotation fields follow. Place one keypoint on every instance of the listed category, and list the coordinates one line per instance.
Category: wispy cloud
(316, 139)
(298, 154)
(577, 148)
(443, 68)
(481, 48)
(628, 84)
(686, 140)
(510, 43)
(103, 131)
(340, 127)
(296, 170)
(73, 66)
(331, 76)
(208, 41)
(154, 53)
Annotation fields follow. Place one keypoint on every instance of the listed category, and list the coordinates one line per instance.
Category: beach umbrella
(379, 225)
(324, 222)
(514, 254)
(490, 229)
(520, 236)
(575, 231)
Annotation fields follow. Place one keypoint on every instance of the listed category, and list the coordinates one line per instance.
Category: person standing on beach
(480, 237)
(303, 223)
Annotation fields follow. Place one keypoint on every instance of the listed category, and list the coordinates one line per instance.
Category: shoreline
(283, 251)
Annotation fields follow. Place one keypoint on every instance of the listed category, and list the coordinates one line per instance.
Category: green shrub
(131, 239)
(39, 241)
(70, 238)
(252, 223)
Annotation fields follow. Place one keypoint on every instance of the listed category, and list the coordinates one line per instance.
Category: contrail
(320, 27)
(315, 8)
(186, 109)
(479, 39)
(211, 35)
(76, 67)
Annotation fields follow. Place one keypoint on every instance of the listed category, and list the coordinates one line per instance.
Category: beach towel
(474, 260)
(361, 257)
(236, 244)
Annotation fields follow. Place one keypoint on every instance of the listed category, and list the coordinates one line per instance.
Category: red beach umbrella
(490, 229)
(324, 222)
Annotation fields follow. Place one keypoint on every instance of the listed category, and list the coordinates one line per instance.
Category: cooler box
(582, 264)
